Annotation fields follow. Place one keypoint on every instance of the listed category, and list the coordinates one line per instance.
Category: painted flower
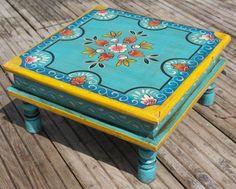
(102, 13)
(129, 40)
(123, 59)
(118, 48)
(145, 45)
(112, 34)
(90, 52)
(135, 53)
(31, 59)
(100, 50)
(105, 56)
(135, 46)
(154, 23)
(80, 80)
(66, 32)
(101, 42)
(114, 40)
(181, 67)
(207, 37)
(148, 100)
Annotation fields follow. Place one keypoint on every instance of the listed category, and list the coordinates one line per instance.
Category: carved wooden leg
(208, 97)
(147, 165)
(32, 118)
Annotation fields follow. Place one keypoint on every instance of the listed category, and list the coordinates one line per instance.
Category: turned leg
(32, 118)
(147, 165)
(208, 97)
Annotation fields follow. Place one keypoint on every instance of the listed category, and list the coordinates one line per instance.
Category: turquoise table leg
(208, 97)
(147, 165)
(32, 118)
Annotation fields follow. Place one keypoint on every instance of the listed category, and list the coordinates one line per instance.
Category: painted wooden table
(125, 74)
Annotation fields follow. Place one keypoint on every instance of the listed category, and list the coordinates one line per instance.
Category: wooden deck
(201, 153)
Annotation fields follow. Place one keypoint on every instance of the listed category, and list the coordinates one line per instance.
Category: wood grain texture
(200, 153)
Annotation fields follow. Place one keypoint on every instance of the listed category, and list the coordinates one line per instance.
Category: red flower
(105, 56)
(66, 32)
(154, 23)
(129, 40)
(78, 80)
(31, 59)
(135, 53)
(102, 12)
(181, 67)
(210, 37)
(207, 37)
(102, 43)
(148, 100)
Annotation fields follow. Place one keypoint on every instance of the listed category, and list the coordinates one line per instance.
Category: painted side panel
(147, 104)
(104, 114)
(145, 142)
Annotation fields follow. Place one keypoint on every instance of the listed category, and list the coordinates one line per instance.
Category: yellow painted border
(189, 108)
(152, 114)
(110, 131)
(174, 98)
(84, 121)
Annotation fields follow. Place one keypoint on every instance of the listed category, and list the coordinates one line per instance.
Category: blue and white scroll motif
(178, 69)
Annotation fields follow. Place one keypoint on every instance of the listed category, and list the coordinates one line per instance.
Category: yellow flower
(123, 59)
(145, 45)
(90, 51)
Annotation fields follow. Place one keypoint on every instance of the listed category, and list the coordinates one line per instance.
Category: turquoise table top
(127, 57)
(128, 75)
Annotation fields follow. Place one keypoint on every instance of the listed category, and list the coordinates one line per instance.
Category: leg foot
(147, 165)
(208, 97)
(32, 118)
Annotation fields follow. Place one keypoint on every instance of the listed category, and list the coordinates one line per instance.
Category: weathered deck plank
(5, 180)
(202, 160)
(16, 173)
(200, 153)
(40, 170)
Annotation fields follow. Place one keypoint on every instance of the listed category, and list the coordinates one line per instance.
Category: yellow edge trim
(14, 66)
(152, 114)
(81, 93)
(84, 121)
(189, 108)
(112, 132)
(175, 97)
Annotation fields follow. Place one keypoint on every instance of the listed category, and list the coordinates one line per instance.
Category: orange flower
(102, 43)
(129, 40)
(105, 56)
(66, 32)
(181, 67)
(154, 23)
(135, 53)
(78, 80)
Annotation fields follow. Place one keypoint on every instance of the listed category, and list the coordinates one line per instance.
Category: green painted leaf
(132, 32)
(93, 65)
(154, 55)
(119, 33)
(101, 65)
(89, 61)
(146, 60)
(153, 59)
